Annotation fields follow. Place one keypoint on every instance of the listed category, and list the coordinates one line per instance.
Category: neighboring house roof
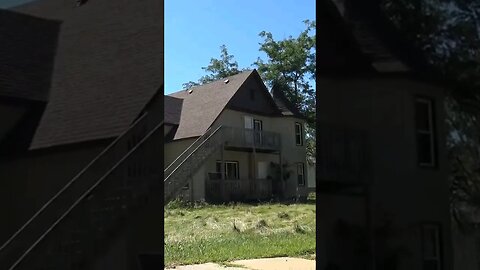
(283, 104)
(27, 52)
(108, 66)
(202, 104)
(173, 110)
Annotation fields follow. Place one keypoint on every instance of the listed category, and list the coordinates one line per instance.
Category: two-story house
(225, 141)
(383, 193)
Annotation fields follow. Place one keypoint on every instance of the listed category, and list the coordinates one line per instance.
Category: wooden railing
(343, 154)
(241, 137)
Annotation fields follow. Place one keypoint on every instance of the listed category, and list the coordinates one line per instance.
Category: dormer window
(298, 134)
(424, 125)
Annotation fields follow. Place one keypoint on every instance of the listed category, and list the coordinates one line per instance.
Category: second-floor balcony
(250, 139)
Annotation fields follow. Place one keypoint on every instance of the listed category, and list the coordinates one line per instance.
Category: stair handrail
(85, 194)
(50, 201)
(188, 148)
(183, 161)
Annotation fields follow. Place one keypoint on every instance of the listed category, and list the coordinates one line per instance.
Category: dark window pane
(424, 148)
(422, 115)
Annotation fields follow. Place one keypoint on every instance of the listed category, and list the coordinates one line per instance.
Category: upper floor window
(298, 134)
(424, 125)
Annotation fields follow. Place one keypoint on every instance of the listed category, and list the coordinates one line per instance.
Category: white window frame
(429, 132)
(237, 168)
(301, 133)
(438, 257)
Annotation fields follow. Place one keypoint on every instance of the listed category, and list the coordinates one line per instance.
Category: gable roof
(27, 52)
(108, 66)
(202, 104)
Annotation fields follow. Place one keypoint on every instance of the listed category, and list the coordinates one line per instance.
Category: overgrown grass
(218, 233)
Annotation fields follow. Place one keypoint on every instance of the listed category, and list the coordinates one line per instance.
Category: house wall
(28, 182)
(290, 152)
(409, 194)
(174, 149)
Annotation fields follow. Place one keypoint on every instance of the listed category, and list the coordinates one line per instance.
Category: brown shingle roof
(108, 65)
(203, 105)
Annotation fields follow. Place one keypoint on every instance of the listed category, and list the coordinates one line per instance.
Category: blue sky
(195, 30)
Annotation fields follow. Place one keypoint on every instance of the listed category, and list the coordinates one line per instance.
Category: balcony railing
(249, 138)
(344, 154)
(237, 189)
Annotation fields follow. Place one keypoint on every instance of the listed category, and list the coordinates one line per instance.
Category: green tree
(290, 65)
(218, 68)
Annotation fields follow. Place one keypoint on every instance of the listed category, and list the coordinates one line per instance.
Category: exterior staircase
(76, 225)
(186, 164)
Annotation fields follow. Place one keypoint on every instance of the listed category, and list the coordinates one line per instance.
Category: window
(300, 174)
(298, 134)
(231, 169)
(257, 127)
(431, 247)
(424, 125)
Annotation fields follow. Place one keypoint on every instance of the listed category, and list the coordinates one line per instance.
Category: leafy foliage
(218, 69)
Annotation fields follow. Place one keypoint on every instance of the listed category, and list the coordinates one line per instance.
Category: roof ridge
(231, 76)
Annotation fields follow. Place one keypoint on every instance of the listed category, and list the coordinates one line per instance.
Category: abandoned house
(81, 109)
(382, 187)
(225, 141)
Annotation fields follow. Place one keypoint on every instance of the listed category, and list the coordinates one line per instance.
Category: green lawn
(220, 233)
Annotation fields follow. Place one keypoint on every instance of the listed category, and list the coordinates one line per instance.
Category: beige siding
(174, 149)
(291, 153)
(285, 126)
(385, 107)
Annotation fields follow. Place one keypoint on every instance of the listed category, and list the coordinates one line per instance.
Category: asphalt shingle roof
(203, 105)
(108, 65)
